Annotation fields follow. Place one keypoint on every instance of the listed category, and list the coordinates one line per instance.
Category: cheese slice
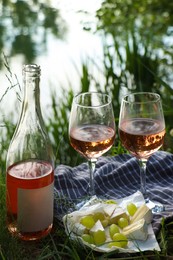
(142, 212)
(137, 230)
(79, 229)
(109, 209)
(117, 214)
(96, 227)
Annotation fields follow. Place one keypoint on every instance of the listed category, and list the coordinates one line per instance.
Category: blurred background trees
(138, 45)
(25, 25)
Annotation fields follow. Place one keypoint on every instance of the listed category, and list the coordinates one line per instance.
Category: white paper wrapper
(95, 205)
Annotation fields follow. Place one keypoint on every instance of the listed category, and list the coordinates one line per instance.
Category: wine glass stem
(92, 166)
(142, 163)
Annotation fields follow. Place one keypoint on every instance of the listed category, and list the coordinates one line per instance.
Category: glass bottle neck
(31, 77)
(31, 92)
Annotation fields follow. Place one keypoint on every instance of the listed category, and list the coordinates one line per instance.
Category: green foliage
(57, 121)
(22, 21)
(138, 52)
(57, 126)
(149, 20)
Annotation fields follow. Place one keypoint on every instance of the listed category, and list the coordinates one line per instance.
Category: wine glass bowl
(142, 137)
(142, 130)
(92, 140)
(92, 128)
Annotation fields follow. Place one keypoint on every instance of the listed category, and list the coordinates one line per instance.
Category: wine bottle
(30, 167)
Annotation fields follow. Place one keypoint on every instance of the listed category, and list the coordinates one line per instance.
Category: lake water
(57, 64)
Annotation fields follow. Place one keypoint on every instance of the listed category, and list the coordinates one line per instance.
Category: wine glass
(142, 131)
(92, 128)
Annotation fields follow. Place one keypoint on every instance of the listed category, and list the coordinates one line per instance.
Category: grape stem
(92, 166)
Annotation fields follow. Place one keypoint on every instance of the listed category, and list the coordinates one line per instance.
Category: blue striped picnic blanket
(117, 177)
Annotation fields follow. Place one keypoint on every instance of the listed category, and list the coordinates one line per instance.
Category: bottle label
(35, 208)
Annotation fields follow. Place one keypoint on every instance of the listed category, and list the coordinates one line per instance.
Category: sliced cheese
(137, 230)
(142, 212)
(117, 214)
(109, 209)
(96, 227)
(79, 229)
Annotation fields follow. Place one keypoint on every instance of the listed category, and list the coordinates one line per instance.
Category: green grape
(123, 222)
(88, 238)
(131, 208)
(121, 238)
(116, 243)
(98, 216)
(113, 229)
(110, 202)
(105, 222)
(99, 237)
(87, 221)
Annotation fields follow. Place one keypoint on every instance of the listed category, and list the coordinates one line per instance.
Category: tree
(24, 26)
(138, 36)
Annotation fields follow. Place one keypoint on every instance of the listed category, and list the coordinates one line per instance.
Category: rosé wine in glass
(142, 131)
(92, 128)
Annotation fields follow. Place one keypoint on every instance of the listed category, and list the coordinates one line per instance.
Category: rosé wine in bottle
(30, 199)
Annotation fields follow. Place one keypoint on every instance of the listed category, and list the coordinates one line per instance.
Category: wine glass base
(156, 207)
